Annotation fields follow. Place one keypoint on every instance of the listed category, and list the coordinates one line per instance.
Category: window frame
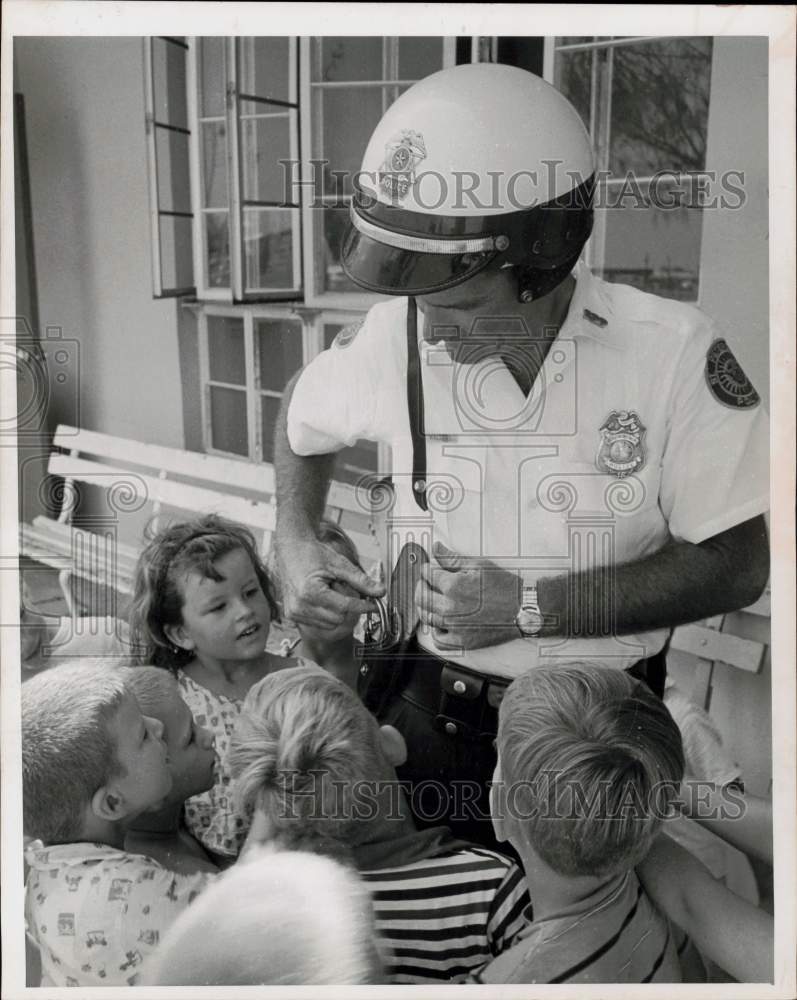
(151, 124)
(314, 296)
(599, 125)
(312, 333)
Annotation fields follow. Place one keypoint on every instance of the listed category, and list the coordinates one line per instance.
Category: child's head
(336, 538)
(306, 750)
(201, 589)
(281, 918)
(588, 761)
(192, 757)
(88, 753)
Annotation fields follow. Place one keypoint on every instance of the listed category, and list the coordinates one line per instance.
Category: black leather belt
(465, 703)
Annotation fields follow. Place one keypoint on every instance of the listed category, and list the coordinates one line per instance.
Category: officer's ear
(393, 745)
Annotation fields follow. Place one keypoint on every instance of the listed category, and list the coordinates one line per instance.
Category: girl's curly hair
(188, 546)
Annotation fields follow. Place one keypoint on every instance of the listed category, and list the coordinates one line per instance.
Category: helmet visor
(395, 270)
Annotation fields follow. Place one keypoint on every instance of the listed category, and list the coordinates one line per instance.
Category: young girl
(332, 649)
(202, 607)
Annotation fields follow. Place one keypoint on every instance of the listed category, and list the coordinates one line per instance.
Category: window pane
(212, 86)
(340, 59)
(269, 408)
(335, 221)
(171, 158)
(573, 76)
(214, 165)
(418, 57)
(660, 93)
(168, 75)
(228, 420)
(655, 249)
(265, 142)
(177, 253)
(279, 347)
(217, 248)
(348, 117)
(226, 357)
(268, 248)
(264, 67)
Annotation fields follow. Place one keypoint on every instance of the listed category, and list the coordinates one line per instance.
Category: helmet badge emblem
(403, 153)
(621, 449)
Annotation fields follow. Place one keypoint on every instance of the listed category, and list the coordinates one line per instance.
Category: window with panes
(645, 102)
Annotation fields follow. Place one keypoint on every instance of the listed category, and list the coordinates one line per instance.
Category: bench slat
(241, 474)
(707, 644)
(254, 513)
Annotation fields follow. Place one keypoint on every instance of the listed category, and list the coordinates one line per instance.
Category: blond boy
(314, 764)
(589, 761)
(91, 762)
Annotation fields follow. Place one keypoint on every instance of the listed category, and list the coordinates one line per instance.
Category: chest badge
(621, 451)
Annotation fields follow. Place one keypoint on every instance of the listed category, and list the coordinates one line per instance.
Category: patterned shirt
(445, 916)
(96, 912)
(614, 936)
(211, 816)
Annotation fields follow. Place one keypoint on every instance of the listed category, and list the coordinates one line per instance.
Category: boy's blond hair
(303, 747)
(151, 686)
(68, 752)
(590, 760)
(277, 918)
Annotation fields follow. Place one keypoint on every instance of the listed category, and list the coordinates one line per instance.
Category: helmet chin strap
(534, 283)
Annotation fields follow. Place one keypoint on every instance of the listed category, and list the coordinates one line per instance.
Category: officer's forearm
(681, 582)
(302, 482)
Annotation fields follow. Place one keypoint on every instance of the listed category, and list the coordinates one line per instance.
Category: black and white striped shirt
(445, 916)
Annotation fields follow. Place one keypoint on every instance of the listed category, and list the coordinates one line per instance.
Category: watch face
(529, 622)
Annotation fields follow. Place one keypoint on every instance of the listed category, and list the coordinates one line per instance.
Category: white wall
(734, 259)
(85, 124)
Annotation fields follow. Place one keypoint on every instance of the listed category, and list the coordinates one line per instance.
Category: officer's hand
(310, 574)
(467, 602)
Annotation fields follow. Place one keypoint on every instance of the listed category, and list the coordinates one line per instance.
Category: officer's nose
(205, 738)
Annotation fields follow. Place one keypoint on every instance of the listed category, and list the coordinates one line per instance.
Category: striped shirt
(615, 936)
(443, 917)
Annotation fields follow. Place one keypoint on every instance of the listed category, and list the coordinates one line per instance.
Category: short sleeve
(715, 466)
(333, 402)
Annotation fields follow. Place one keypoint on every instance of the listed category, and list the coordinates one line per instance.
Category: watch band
(529, 619)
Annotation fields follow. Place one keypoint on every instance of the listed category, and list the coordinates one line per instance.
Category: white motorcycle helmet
(474, 164)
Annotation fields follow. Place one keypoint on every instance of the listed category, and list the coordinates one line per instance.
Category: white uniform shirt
(523, 481)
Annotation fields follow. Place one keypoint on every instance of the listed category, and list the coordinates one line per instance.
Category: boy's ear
(108, 804)
(177, 635)
(393, 745)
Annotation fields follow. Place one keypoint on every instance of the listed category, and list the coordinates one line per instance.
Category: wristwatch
(529, 619)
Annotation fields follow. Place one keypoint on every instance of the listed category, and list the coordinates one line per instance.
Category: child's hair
(288, 918)
(152, 686)
(301, 749)
(190, 546)
(68, 752)
(590, 760)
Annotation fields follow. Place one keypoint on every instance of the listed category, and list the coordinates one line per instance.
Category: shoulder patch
(727, 381)
(347, 334)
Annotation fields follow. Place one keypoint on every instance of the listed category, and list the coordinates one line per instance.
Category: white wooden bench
(109, 487)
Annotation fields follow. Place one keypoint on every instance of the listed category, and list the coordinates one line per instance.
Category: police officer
(586, 464)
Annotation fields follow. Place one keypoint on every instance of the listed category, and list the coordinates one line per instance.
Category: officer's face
(449, 316)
